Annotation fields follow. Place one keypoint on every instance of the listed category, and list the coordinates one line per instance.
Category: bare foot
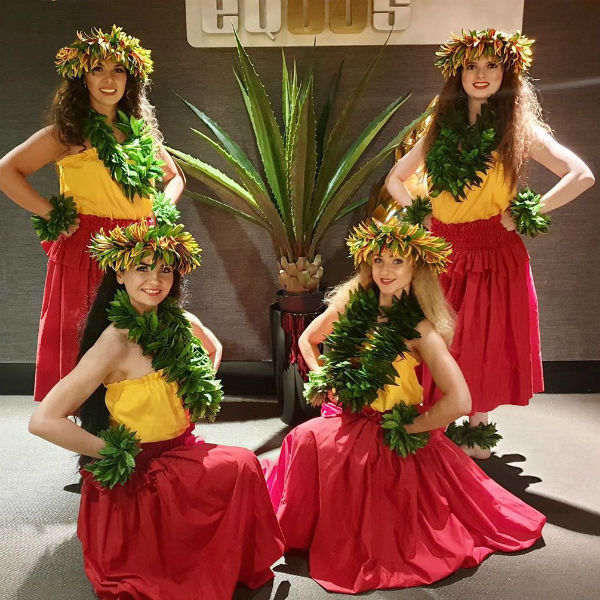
(476, 452)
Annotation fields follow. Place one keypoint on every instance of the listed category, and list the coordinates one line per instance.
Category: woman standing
(486, 126)
(163, 516)
(374, 490)
(105, 143)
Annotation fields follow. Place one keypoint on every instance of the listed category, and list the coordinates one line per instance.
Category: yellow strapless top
(491, 198)
(84, 177)
(407, 388)
(149, 405)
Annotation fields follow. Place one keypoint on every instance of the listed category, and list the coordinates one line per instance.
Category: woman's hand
(72, 229)
(427, 221)
(507, 221)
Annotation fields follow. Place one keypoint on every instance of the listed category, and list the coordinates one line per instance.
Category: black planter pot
(289, 316)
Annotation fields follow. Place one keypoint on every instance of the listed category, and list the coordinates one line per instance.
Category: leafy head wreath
(124, 247)
(402, 239)
(88, 50)
(513, 51)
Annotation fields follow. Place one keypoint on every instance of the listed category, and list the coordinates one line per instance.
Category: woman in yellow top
(107, 164)
(486, 125)
(374, 490)
(163, 516)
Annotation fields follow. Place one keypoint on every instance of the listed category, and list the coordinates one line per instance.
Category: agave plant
(312, 171)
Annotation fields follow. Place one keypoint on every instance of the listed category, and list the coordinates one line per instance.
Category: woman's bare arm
(575, 175)
(456, 399)
(173, 179)
(402, 170)
(42, 148)
(50, 420)
(315, 334)
(209, 340)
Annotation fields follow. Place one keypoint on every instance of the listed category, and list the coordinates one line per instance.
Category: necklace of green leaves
(363, 345)
(167, 336)
(132, 163)
(462, 152)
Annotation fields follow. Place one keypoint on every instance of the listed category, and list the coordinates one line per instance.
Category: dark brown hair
(71, 105)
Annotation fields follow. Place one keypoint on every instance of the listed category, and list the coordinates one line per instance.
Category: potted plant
(308, 178)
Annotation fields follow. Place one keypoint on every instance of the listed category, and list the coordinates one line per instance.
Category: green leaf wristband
(394, 431)
(525, 211)
(122, 446)
(62, 216)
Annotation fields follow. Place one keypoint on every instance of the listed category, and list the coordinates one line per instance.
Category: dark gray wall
(233, 289)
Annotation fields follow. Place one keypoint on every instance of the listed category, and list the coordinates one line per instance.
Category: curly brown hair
(518, 111)
(71, 105)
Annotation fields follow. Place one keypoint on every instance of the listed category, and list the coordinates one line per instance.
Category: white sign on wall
(210, 23)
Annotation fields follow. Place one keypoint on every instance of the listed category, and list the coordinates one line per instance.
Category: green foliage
(362, 348)
(122, 446)
(132, 164)
(394, 432)
(62, 216)
(525, 211)
(167, 336)
(311, 178)
(416, 212)
(461, 152)
(484, 436)
(165, 212)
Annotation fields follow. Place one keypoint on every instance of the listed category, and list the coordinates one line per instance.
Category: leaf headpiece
(88, 50)
(513, 51)
(403, 239)
(124, 247)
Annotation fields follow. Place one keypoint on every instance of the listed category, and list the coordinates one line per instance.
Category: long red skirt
(497, 339)
(72, 279)
(193, 520)
(371, 519)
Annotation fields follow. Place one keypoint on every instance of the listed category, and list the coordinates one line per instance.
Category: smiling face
(481, 78)
(391, 274)
(147, 287)
(106, 85)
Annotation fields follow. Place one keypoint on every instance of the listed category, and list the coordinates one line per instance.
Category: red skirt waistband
(475, 235)
(72, 250)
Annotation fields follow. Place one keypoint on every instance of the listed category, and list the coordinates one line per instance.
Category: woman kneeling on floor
(373, 489)
(163, 516)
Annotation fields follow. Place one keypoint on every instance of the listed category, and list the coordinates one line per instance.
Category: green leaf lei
(461, 152)
(165, 212)
(167, 336)
(132, 164)
(394, 432)
(362, 349)
(485, 436)
(122, 446)
(525, 211)
(62, 216)
(416, 212)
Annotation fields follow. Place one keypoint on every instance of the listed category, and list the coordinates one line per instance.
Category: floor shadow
(273, 442)
(559, 513)
(58, 574)
(263, 593)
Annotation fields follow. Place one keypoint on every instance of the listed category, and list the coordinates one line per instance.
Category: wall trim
(256, 378)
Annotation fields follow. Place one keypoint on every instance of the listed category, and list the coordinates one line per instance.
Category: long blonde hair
(425, 286)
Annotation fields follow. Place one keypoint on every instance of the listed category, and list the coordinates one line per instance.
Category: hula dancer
(486, 126)
(105, 143)
(370, 487)
(163, 515)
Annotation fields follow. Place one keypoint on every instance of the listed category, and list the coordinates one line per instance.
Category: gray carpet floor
(550, 457)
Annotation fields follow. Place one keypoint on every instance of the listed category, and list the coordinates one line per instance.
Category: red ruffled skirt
(193, 520)
(72, 279)
(371, 519)
(497, 339)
